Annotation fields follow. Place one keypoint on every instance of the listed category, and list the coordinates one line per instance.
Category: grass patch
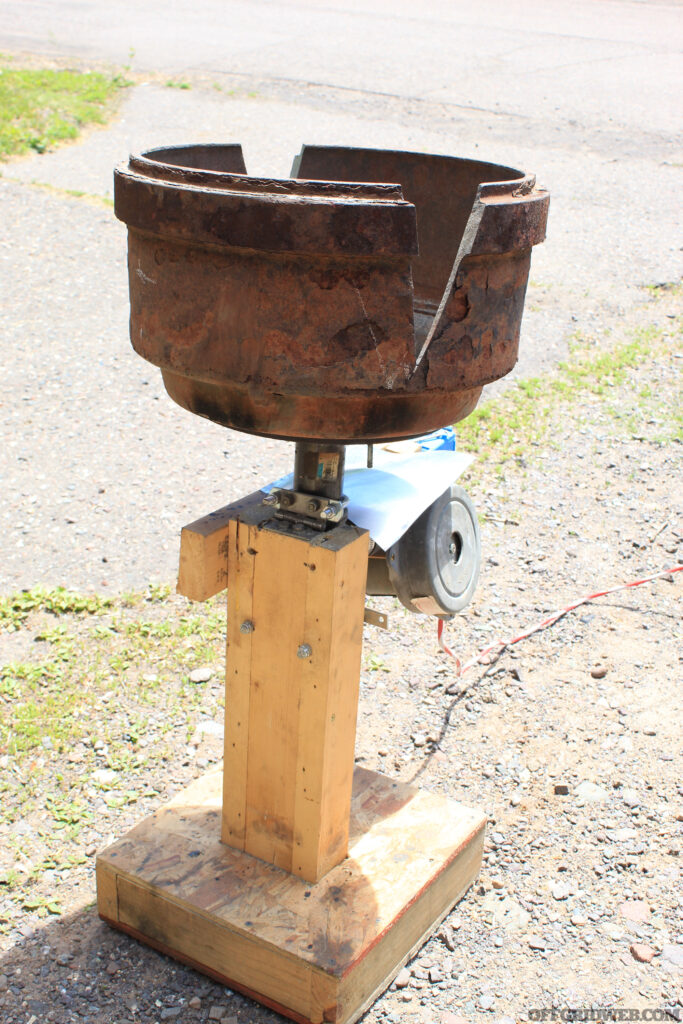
(15, 609)
(658, 291)
(508, 427)
(73, 193)
(137, 654)
(93, 712)
(39, 108)
(172, 83)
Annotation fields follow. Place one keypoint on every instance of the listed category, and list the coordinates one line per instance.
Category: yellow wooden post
(295, 621)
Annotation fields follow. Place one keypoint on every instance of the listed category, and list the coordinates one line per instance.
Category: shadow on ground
(76, 968)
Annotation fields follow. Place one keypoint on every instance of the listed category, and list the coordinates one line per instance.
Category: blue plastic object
(439, 440)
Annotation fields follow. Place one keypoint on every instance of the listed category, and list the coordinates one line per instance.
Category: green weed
(15, 609)
(39, 108)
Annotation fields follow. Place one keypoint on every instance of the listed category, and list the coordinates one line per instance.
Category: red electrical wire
(499, 646)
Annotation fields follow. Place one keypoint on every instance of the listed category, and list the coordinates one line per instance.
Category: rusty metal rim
(371, 414)
(147, 166)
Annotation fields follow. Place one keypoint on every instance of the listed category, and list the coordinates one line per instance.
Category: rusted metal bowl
(370, 296)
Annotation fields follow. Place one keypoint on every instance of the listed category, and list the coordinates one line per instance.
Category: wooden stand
(292, 878)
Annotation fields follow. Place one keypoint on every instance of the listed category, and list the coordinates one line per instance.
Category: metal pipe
(319, 468)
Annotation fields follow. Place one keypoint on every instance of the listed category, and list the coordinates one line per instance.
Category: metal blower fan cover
(434, 567)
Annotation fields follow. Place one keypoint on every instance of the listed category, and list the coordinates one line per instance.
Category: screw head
(270, 499)
(247, 626)
(304, 651)
(313, 505)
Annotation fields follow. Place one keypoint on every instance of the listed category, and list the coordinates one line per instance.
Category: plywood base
(314, 953)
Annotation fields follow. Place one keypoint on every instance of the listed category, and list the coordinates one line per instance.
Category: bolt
(304, 651)
(286, 500)
(270, 499)
(328, 512)
(313, 505)
(247, 626)
(451, 548)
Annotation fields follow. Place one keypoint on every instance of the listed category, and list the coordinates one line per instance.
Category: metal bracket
(315, 507)
(375, 618)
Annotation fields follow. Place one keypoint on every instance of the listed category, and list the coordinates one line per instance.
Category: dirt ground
(569, 740)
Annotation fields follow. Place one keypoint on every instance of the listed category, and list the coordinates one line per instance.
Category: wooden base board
(315, 953)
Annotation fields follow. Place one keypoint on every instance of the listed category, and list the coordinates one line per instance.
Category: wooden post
(314, 952)
(295, 622)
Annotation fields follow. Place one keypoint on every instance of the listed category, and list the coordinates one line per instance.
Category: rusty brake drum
(369, 297)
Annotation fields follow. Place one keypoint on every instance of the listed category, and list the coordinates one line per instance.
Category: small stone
(3, 983)
(673, 955)
(217, 1013)
(505, 1020)
(112, 968)
(170, 1013)
(630, 797)
(195, 1003)
(201, 675)
(635, 910)
(579, 920)
(560, 891)
(536, 942)
(104, 776)
(46, 743)
(487, 1000)
(419, 739)
(641, 952)
(497, 883)
(435, 975)
(402, 978)
(448, 1017)
(406, 996)
(506, 912)
(561, 789)
(447, 937)
(599, 671)
(590, 793)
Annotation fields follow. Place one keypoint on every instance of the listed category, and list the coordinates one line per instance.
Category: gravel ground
(100, 470)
